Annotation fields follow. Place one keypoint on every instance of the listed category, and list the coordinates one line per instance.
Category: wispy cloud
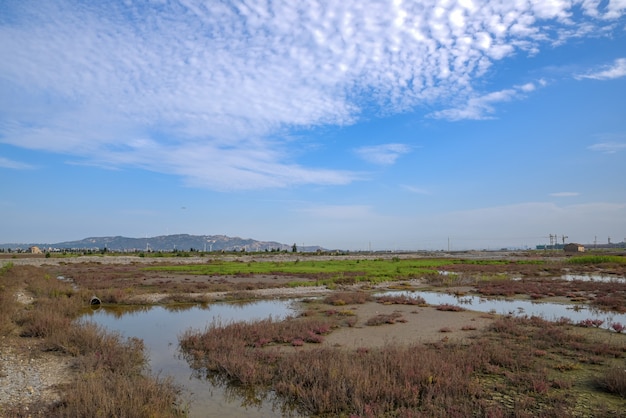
(615, 70)
(608, 147)
(481, 107)
(14, 165)
(565, 194)
(478, 107)
(415, 189)
(385, 154)
(201, 88)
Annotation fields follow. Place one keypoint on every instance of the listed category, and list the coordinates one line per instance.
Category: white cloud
(196, 86)
(480, 107)
(385, 154)
(615, 9)
(528, 87)
(14, 165)
(608, 147)
(616, 70)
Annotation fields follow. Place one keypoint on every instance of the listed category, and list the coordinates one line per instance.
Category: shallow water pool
(160, 327)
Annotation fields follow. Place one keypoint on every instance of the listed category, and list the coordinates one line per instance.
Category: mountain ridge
(176, 242)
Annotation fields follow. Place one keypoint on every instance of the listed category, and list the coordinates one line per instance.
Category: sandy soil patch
(28, 375)
(423, 325)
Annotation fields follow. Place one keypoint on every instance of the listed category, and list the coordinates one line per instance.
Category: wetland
(480, 334)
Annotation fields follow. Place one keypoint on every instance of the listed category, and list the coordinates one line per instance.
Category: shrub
(613, 381)
(401, 300)
(384, 319)
(587, 323)
(618, 327)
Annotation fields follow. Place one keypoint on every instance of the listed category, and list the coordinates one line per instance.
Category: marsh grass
(597, 259)
(382, 319)
(347, 298)
(110, 380)
(234, 348)
(604, 295)
(613, 381)
(104, 393)
(518, 367)
(401, 300)
(346, 271)
(8, 302)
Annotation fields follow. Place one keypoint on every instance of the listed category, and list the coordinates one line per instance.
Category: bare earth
(423, 325)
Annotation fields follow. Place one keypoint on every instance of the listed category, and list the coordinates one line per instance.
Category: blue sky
(345, 124)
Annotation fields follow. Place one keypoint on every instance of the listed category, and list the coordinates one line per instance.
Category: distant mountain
(180, 242)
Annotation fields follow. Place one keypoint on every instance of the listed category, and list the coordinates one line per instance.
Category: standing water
(549, 311)
(159, 328)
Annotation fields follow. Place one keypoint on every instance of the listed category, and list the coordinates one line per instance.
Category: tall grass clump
(8, 302)
(105, 394)
(234, 348)
(5, 268)
(8, 309)
(613, 381)
(597, 259)
(112, 379)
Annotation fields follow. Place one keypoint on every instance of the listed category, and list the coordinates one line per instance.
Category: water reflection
(159, 328)
(546, 310)
(594, 278)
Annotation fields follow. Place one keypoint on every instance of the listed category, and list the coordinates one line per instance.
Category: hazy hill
(181, 242)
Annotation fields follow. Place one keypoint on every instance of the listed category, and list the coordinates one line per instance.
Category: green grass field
(365, 269)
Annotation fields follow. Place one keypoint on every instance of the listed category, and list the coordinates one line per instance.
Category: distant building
(35, 250)
(574, 248)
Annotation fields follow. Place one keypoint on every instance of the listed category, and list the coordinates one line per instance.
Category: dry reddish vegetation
(347, 298)
(606, 295)
(519, 367)
(118, 283)
(108, 371)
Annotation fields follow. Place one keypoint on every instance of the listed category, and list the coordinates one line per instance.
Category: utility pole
(564, 237)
